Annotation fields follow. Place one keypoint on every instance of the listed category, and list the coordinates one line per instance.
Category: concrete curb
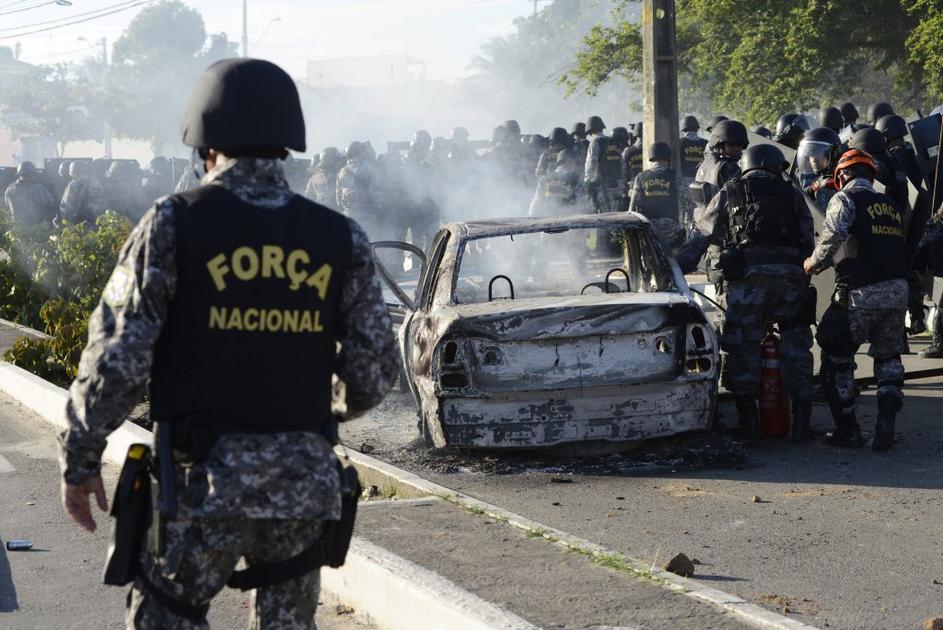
(405, 596)
(407, 484)
(395, 593)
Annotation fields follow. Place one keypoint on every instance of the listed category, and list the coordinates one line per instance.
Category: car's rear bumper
(539, 419)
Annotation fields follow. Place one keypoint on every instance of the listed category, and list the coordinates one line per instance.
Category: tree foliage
(155, 64)
(757, 61)
(52, 101)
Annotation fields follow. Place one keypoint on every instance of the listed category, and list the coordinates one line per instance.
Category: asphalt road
(837, 538)
(58, 583)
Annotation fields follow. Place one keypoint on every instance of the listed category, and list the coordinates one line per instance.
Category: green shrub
(51, 279)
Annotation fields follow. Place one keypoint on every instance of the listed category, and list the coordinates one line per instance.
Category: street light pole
(245, 28)
(107, 125)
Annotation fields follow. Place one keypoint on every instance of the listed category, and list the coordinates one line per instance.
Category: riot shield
(824, 282)
(790, 154)
(925, 135)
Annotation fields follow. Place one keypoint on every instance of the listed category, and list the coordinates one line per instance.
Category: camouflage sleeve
(839, 218)
(116, 364)
(368, 362)
(591, 169)
(633, 195)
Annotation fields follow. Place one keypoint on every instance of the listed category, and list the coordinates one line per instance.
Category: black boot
(748, 417)
(801, 421)
(883, 432)
(846, 433)
(935, 349)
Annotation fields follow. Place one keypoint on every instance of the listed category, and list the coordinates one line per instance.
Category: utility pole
(660, 76)
(245, 28)
(106, 125)
(535, 5)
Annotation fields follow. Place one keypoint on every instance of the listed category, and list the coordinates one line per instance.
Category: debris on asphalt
(367, 448)
(19, 545)
(757, 499)
(561, 480)
(341, 609)
(936, 581)
(680, 565)
(933, 623)
(371, 492)
(30, 503)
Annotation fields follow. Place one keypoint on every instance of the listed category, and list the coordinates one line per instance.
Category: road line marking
(5, 466)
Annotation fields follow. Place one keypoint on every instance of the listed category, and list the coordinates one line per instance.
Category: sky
(446, 34)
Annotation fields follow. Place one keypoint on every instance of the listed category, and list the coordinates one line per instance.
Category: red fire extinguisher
(774, 404)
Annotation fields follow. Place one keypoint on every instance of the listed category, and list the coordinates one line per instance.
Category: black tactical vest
(656, 194)
(610, 166)
(762, 212)
(250, 337)
(692, 154)
(876, 248)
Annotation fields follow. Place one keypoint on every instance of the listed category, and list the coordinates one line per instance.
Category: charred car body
(530, 333)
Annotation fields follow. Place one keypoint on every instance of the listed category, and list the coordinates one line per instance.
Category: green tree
(52, 101)
(756, 61)
(155, 63)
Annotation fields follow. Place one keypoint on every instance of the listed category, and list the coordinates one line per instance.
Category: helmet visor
(813, 157)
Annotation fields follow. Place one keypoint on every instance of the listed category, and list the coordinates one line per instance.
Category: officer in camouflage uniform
(603, 169)
(895, 131)
(657, 194)
(322, 186)
(199, 280)
(864, 238)
(633, 157)
(28, 199)
(692, 153)
(766, 231)
(83, 199)
(356, 191)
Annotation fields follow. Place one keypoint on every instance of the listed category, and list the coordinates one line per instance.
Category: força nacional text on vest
(265, 320)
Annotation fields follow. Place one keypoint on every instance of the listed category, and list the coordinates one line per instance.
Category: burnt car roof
(524, 225)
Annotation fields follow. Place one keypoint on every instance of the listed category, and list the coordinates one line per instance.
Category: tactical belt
(196, 614)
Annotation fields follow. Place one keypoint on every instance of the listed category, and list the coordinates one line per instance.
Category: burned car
(529, 333)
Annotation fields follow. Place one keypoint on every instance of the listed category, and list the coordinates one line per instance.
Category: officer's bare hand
(76, 503)
(809, 266)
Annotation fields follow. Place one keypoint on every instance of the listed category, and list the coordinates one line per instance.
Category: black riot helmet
(731, 131)
(512, 127)
(620, 135)
(849, 112)
(422, 140)
(869, 140)
(713, 122)
(460, 134)
(765, 157)
(245, 107)
(831, 117)
(760, 130)
(893, 127)
(659, 152)
(560, 139)
(690, 123)
(877, 111)
(791, 124)
(579, 130)
(638, 130)
(355, 150)
(26, 170)
(595, 124)
(818, 152)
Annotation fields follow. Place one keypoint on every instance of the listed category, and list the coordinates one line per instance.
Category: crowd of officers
(741, 209)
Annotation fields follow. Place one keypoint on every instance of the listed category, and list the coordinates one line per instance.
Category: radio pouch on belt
(131, 508)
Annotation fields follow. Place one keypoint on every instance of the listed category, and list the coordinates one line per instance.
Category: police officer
(713, 122)
(83, 199)
(720, 165)
(560, 140)
(766, 231)
(817, 157)
(559, 190)
(879, 110)
(579, 140)
(28, 199)
(895, 131)
(603, 168)
(790, 129)
(621, 139)
(633, 158)
(322, 186)
(864, 238)
(693, 147)
(123, 191)
(889, 173)
(356, 191)
(231, 300)
(656, 194)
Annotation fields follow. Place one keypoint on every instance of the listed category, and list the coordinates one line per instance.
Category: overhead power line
(42, 3)
(135, 3)
(68, 17)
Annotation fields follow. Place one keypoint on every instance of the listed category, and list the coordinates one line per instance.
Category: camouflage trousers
(199, 555)
(752, 304)
(841, 333)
